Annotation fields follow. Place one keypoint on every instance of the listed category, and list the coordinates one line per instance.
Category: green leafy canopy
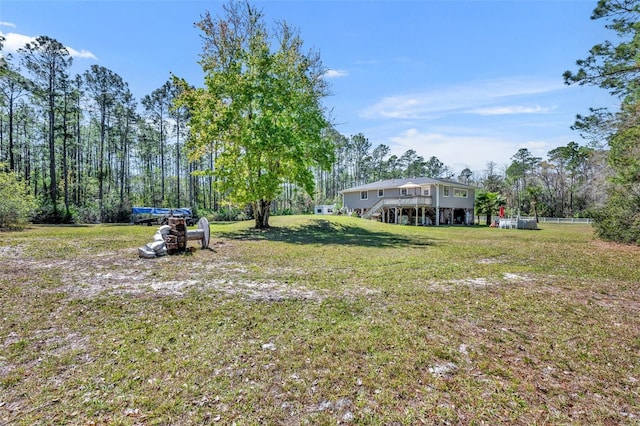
(260, 110)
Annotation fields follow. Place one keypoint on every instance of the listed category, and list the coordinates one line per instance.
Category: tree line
(85, 147)
(570, 182)
(87, 150)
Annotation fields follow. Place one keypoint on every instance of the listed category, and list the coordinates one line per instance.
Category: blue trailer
(159, 215)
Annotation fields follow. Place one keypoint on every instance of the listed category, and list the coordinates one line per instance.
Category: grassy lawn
(320, 321)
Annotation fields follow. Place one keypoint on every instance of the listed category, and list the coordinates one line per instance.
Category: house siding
(436, 201)
(352, 200)
(456, 202)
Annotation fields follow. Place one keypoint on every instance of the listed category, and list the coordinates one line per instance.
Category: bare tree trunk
(65, 163)
(178, 161)
(261, 213)
(162, 171)
(53, 187)
(12, 165)
(101, 160)
(78, 158)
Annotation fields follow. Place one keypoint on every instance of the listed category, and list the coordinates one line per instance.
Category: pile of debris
(168, 239)
(172, 238)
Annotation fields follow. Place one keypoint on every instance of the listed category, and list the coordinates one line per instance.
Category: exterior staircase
(375, 209)
(416, 201)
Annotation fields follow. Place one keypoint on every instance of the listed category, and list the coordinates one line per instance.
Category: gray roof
(396, 183)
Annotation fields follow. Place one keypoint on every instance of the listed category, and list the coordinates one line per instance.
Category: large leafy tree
(615, 67)
(260, 107)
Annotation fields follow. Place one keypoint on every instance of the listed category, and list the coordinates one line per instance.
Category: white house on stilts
(416, 201)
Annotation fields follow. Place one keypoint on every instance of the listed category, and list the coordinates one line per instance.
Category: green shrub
(619, 219)
(229, 214)
(89, 213)
(115, 210)
(17, 203)
(45, 213)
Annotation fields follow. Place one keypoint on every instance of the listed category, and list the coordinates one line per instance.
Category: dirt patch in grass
(121, 271)
(615, 247)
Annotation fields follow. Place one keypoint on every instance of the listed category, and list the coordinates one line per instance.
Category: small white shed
(324, 209)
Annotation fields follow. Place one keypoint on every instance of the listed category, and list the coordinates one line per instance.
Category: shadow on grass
(326, 232)
(13, 228)
(63, 225)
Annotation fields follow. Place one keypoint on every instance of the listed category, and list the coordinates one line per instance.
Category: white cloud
(455, 151)
(508, 110)
(84, 54)
(7, 24)
(464, 98)
(336, 73)
(14, 41)
(461, 149)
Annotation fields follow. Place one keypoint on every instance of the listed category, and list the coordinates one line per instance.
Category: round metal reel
(203, 224)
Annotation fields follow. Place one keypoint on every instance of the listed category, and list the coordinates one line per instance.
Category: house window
(426, 192)
(380, 192)
(364, 195)
(446, 190)
(460, 193)
(403, 191)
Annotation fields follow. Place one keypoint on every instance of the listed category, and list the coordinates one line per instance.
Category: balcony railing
(404, 201)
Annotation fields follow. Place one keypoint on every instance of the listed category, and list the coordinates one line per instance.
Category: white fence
(581, 220)
(567, 220)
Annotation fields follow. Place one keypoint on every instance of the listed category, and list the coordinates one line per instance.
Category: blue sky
(466, 81)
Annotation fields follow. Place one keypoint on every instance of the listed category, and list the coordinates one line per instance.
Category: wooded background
(88, 151)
